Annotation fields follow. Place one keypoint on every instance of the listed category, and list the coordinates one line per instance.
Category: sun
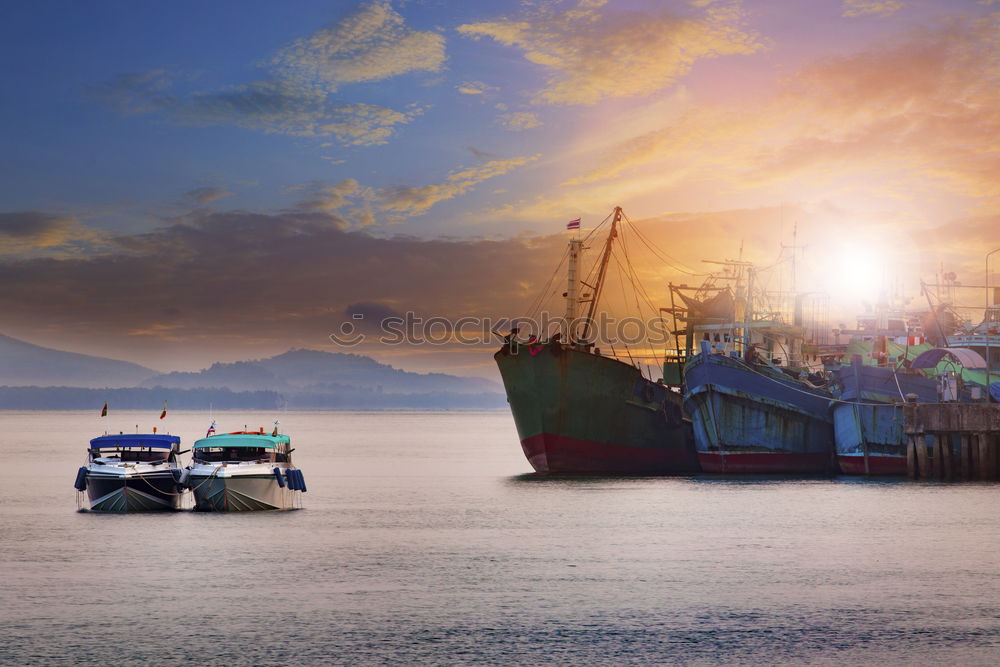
(855, 274)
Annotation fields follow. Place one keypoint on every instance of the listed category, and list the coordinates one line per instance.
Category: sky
(190, 182)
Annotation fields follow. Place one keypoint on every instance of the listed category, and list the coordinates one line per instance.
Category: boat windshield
(219, 454)
(138, 454)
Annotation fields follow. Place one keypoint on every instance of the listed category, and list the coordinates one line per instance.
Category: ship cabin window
(230, 454)
(142, 454)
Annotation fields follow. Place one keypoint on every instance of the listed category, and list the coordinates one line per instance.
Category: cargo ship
(756, 403)
(578, 411)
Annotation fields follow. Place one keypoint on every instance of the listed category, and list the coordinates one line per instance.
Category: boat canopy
(135, 440)
(963, 356)
(243, 440)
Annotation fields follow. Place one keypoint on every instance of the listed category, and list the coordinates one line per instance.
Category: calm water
(423, 539)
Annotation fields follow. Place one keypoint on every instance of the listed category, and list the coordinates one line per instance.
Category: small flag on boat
(211, 429)
(573, 224)
(274, 433)
(164, 413)
(104, 410)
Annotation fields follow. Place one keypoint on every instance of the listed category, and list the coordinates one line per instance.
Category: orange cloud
(917, 113)
(518, 120)
(882, 8)
(593, 55)
(349, 204)
(25, 233)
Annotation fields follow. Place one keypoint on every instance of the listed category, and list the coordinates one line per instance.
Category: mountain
(22, 363)
(315, 372)
(39, 378)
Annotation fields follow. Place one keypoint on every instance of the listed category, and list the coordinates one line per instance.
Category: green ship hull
(582, 413)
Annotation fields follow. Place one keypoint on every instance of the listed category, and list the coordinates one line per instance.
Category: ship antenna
(601, 273)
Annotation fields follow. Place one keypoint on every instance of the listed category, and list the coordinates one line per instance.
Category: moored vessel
(578, 411)
(754, 418)
(244, 471)
(132, 473)
(869, 399)
(757, 404)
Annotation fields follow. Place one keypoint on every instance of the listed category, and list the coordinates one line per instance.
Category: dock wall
(952, 441)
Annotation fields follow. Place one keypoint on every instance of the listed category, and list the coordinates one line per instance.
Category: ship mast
(605, 258)
(572, 288)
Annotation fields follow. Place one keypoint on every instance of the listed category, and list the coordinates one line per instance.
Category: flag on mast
(164, 413)
(274, 433)
(104, 410)
(573, 224)
(211, 429)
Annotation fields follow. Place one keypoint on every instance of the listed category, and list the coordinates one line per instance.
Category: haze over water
(425, 539)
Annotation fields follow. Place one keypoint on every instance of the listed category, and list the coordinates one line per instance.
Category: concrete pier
(952, 441)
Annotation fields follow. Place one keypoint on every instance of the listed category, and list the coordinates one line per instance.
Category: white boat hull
(112, 489)
(239, 488)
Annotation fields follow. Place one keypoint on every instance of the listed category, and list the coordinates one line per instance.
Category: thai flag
(573, 224)
(211, 429)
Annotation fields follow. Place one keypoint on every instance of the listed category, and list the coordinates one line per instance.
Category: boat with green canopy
(244, 471)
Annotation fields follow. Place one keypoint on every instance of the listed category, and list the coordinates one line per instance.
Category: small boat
(132, 473)
(244, 471)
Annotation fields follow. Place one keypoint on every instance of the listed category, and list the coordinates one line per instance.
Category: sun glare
(855, 274)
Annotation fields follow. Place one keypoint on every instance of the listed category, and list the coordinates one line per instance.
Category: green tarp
(243, 440)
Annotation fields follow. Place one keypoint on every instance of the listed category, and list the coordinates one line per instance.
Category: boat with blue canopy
(132, 473)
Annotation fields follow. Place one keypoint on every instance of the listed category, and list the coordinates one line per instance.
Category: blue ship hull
(755, 419)
(869, 429)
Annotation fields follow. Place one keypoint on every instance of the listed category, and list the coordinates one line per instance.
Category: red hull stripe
(877, 465)
(552, 453)
(764, 463)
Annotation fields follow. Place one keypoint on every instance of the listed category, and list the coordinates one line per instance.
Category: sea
(425, 538)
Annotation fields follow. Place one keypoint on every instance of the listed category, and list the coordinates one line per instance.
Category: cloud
(135, 92)
(481, 154)
(207, 194)
(352, 205)
(366, 316)
(903, 119)
(372, 44)
(404, 201)
(474, 88)
(882, 8)
(518, 120)
(29, 231)
(593, 55)
(331, 199)
(285, 279)
(289, 279)
(273, 106)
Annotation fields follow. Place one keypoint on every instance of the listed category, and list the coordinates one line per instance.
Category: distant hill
(81, 398)
(316, 372)
(39, 378)
(348, 398)
(22, 363)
